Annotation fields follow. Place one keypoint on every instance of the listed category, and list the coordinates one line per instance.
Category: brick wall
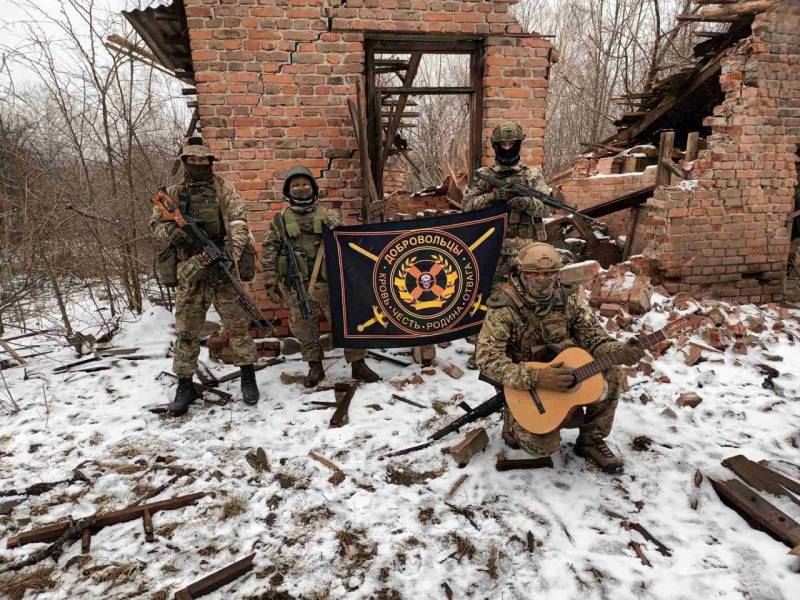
(273, 78)
(729, 235)
(584, 192)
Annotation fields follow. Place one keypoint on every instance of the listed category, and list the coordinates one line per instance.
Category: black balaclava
(507, 158)
(198, 173)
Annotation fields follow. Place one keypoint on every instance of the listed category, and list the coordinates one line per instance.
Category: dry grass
(464, 546)
(15, 586)
(233, 507)
(402, 475)
(115, 575)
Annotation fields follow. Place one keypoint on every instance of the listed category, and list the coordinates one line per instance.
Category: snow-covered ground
(389, 529)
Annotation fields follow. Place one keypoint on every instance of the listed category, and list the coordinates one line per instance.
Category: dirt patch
(388, 594)
(641, 443)
(464, 547)
(426, 517)
(402, 475)
(313, 515)
(288, 480)
(357, 551)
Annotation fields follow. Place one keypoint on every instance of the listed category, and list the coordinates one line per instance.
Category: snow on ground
(389, 529)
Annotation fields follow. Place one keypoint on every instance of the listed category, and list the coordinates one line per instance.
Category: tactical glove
(503, 195)
(532, 206)
(630, 352)
(178, 237)
(555, 377)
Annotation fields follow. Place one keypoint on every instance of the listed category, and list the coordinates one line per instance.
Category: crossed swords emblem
(380, 317)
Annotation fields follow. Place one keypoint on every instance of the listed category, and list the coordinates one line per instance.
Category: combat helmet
(538, 257)
(300, 172)
(195, 146)
(507, 131)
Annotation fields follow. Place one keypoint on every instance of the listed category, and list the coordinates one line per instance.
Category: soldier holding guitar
(534, 317)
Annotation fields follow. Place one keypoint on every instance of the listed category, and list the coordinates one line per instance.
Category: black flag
(416, 282)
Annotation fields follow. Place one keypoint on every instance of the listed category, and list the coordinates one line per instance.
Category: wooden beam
(692, 144)
(397, 115)
(621, 203)
(425, 91)
(664, 153)
(626, 252)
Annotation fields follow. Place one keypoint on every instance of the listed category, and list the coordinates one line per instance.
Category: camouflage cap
(538, 257)
(195, 147)
(507, 131)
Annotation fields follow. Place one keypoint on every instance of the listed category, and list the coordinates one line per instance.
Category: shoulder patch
(502, 297)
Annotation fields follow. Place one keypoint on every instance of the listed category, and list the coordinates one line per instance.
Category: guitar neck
(607, 361)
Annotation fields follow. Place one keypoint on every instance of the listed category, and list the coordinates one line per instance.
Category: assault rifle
(209, 256)
(520, 189)
(294, 279)
(492, 405)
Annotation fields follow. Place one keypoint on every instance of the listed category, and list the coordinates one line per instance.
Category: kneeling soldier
(534, 312)
(303, 221)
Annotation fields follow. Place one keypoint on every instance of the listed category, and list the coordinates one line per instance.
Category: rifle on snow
(209, 256)
(520, 189)
(294, 279)
(492, 405)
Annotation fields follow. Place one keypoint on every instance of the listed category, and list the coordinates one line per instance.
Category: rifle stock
(294, 279)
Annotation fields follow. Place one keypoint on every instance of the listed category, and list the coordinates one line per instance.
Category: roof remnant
(166, 33)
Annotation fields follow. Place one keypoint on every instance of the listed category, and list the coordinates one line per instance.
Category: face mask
(539, 288)
(508, 157)
(198, 172)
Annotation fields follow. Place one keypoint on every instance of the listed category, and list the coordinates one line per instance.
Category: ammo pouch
(166, 266)
(302, 266)
(247, 263)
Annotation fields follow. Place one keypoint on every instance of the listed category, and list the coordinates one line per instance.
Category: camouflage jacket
(231, 209)
(305, 233)
(525, 219)
(516, 328)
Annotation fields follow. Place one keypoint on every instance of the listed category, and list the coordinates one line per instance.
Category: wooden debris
(505, 464)
(258, 459)
(382, 356)
(698, 478)
(447, 591)
(238, 373)
(530, 541)
(216, 580)
(763, 478)
(407, 401)
(630, 525)
(636, 547)
(52, 532)
(459, 482)
(757, 511)
(7, 347)
(473, 443)
(147, 524)
(340, 416)
(452, 370)
(8, 505)
(338, 475)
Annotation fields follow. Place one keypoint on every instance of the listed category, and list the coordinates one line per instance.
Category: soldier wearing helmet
(525, 223)
(305, 220)
(209, 198)
(534, 317)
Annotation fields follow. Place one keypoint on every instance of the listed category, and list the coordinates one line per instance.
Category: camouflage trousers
(192, 304)
(307, 330)
(595, 418)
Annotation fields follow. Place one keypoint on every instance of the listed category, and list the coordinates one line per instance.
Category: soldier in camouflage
(526, 214)
(533, 314)
(305, 219)
(217, 204)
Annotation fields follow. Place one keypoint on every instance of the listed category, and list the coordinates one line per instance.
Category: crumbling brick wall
(584, 192)
(728, 233)
(273, 78)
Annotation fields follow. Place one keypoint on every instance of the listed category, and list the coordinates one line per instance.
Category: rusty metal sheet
(757, 511)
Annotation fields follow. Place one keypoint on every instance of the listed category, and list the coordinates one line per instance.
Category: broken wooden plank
(29, 334)
(147, 524)
(637, 548)
(216, 580)
(664, 154)
(7, 347)
(459, 482)
(762, 478)
(473, 443)
(258, 367)
(50, 533)
(505, 464)
(86, 541)
(407, 401)
(389, 358)
(758, 512)
(340, 416)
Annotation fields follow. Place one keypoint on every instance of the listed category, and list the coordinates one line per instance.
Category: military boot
(184, 396)
(315, 374)
(249, 386)
(472, 364)
(361, 372)
(593, 447)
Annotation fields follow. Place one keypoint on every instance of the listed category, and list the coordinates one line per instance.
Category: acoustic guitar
(542, 411)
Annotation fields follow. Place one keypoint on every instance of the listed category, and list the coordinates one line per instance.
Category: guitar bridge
(537, 401)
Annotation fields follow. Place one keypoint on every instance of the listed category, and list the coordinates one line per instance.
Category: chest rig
(521, 224)
(201, 201)
(543, 330)
(305, 234)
